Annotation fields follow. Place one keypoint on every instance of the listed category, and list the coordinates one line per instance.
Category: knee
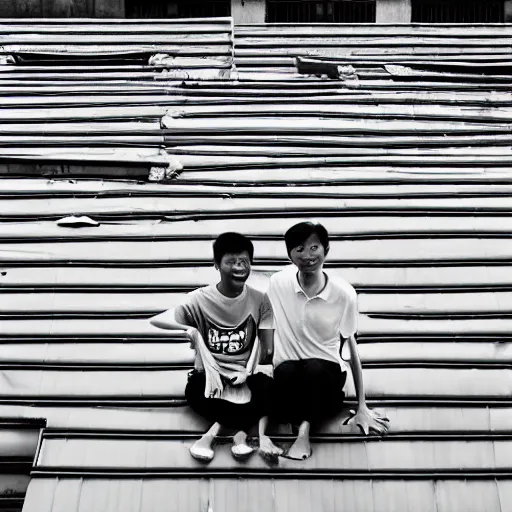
(195, 387)
(316, 374)
(260, 383)
(287, 371)
(313, 368)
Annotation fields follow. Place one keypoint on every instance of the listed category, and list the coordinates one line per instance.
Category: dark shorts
(228, 414)
(308, 390)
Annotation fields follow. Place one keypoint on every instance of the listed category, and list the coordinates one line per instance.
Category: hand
(369, 421)
(238, 378)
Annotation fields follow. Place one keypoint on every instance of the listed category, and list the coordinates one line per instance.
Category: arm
(357, 371)
(266, 337)
(167, 320)
(366, 419)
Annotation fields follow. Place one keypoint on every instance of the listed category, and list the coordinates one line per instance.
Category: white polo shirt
(310, 327)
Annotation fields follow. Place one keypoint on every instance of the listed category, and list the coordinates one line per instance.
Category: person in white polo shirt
(314, 314)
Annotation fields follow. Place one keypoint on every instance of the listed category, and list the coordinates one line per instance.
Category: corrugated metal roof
(108, 454)
(225, 495)
(405, 159)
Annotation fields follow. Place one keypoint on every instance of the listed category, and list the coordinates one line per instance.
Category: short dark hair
(231, 243)
(299, 233)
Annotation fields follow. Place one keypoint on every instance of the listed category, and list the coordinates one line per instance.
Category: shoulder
(343, 287)
(284, 276)
(199, 294)
(254, 294)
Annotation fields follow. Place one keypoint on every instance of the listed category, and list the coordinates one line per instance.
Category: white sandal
(241, 451)
(201, 453)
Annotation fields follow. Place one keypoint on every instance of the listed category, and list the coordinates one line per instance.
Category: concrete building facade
(257, 11)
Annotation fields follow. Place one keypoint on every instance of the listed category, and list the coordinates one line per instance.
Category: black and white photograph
(254, 256)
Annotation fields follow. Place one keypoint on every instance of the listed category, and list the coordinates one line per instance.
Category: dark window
(177, 8)
(320, 11)
(458, 11)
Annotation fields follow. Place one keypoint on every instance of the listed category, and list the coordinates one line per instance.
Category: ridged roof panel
(405, 157)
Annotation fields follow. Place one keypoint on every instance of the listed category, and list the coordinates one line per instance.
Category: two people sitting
(271, 355)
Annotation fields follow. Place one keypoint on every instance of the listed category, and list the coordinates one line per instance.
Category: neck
(229, 291)
(312, 281)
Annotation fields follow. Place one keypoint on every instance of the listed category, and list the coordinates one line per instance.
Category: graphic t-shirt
(227, 325)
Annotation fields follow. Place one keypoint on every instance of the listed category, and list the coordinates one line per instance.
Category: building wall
(508, 11)
(248, 11)
(62, 8)
(243, 11)
(393, 11)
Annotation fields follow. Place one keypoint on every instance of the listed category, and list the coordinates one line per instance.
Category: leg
(240, 449)
(221, 412)
(291, 393)
(228, 414)
(194, 393)
(301, 448)
(202, 449)
(262, 388)
(268, 450)
(288, 396)
(323, 397)
(262, 391)
(323, 394)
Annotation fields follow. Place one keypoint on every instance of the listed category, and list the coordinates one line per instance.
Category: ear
(326, 250)
(215, 265)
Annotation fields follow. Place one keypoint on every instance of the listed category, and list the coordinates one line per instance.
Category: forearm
(167, 320)
(357, 371)
(265, 358)
(266, 337)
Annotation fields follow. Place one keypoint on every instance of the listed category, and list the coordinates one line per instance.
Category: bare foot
(202, 449)
(240, 449)
(268, 450)
(300, 449)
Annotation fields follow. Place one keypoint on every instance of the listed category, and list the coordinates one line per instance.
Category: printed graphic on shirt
(231, 340)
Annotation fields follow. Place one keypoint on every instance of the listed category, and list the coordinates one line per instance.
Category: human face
(234, 269)
(309, 256)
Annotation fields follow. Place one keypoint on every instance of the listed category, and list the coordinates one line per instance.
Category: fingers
(364, 427)
(380, 418)
(377, 431)
(349, 420)
(379, 426)
(238, 379)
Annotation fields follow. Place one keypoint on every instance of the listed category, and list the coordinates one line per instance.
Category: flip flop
(241, 451)
(286, 456)
(202, 454)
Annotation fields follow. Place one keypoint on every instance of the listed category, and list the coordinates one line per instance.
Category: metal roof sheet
(404, 278)
(85, 455)
(242, 495)
(409, 172)
(454, 418)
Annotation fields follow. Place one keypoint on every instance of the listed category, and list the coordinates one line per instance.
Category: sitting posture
(314, 313)
(231, 329)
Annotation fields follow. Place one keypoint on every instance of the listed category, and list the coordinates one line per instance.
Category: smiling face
(234, 269)
(308, 256)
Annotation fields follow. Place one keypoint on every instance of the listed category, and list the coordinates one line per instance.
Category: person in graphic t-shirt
(314, 314)
(230, 325)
